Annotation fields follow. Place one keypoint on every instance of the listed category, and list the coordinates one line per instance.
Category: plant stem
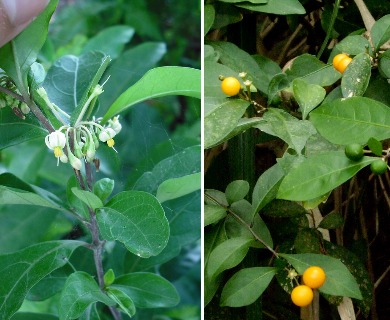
(239, 219)
(330, 28)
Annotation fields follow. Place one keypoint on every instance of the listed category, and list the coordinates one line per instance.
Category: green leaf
(227, 255)
(223, 119)
(243, 124)
(183, 163)
(19, 54)
(129, 68)
(178, 187)
(14, 130)
(136, 219)
(375, 146)
(236, 190)
(353, 120)
(308, 240)
(319, 174)
(33, 316)
(80, 291)
(109, 277)
(356, 265)
(158, 82)
(307, 95)
(123, 301)
(69, 81)
(293, 131)
(246, 286)
(380, 31)
(103, 188)
(213, 213)
(10, 195)
(110, 40)
(282, 7)
(284, 209)
(279, 82)
(25, 268)
(266, 187)
(209, 16)
(226, 14)
(339, 281)
(352, 45)
(312, 70)
(90, 199)
(384, 64)
(357, 76)
(332, 220)
(251, 1)
(147, 290)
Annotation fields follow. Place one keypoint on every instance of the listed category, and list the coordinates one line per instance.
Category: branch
(366, 14)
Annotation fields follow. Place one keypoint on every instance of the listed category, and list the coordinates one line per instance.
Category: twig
(239, 219)
(368, 19)
(288, 43)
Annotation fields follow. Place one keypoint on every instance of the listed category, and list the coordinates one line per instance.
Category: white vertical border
(202, 159)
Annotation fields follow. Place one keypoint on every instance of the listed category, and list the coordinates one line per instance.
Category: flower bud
(25, 109)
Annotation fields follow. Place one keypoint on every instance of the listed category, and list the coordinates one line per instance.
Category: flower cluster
(82, 140)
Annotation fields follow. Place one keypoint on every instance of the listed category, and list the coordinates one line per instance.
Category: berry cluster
(6, 100)
(313, 278)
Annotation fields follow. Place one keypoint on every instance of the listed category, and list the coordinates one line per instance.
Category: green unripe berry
(354, 151)
(378, 166)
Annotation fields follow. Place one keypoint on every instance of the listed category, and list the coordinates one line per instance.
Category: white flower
(115, 124)
(56, 141)
(107, 135)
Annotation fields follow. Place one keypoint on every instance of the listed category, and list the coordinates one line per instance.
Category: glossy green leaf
(375, 146)
(380, 31)
(339, 281)
(226, 14)
(246, 286)
(70, 79)
(90, 199)
(209, 16)
(147, 290)
(278, 83)
(293, 131)
(357, 76)
(213, 213)
(307, 95)
(103, 188)
(284, 209)
(178, 187)
(129, 68)
(80, 291)
(353, 120)
(158, 82)
(356, 265)
(33, 316)
(243, 124)
(19, 54)
(312, 70)
(186, 162)
(25, 268)
(109, 277)
(10, 195)
(332, 220)
(318, 174)
(110, 40)
(223, 119)
(123, 300)
(236, 190)
(227, 255)
(281, 7)
(266, 187)
(308, 240)
(136, 219)
(384, 64)
(351, 45)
